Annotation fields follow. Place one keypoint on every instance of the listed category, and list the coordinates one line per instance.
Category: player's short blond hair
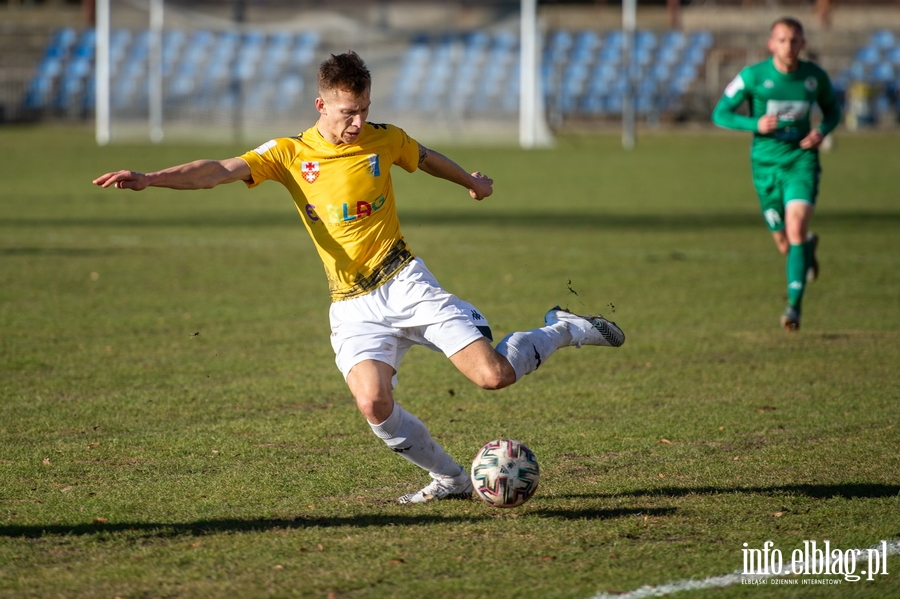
(789, 22)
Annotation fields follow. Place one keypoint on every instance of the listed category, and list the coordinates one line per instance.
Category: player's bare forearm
(199, 174)
(438, 165)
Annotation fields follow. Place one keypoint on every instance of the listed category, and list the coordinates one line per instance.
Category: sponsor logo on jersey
(374, 168)
(788, 110)
(736, 85)
(262, 149)
(343, 213)
(310, 171)
(811, 84)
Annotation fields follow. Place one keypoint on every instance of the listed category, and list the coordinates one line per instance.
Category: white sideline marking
(725, 580)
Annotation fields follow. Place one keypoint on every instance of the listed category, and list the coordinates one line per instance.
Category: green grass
(172, 423)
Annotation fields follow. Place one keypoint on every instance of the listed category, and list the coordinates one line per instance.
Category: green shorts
(776, 185)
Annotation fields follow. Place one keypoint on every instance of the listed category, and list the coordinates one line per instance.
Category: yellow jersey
(345, 197)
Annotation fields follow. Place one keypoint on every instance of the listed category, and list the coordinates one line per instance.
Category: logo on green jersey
(788, 110)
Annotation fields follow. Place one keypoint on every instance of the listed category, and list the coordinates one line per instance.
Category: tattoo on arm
(423, 153)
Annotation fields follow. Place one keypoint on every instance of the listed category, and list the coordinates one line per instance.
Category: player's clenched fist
(482, 187)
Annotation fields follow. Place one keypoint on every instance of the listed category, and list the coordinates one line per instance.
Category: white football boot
(587, 330)
(442, 487)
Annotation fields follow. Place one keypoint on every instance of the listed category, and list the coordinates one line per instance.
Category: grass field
(172, 423)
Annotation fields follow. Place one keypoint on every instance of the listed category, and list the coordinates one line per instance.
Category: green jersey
(791, 97)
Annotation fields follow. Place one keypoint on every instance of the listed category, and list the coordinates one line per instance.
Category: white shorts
(410, 309)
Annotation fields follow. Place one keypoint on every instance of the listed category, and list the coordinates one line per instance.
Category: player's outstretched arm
(200, 174)
(437, 165)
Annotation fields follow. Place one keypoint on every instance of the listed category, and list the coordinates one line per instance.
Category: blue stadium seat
(594, 104)
(694, 55)
(868, 55)
(645, 40)
(86, 44)
(702, 39)
(668, 55)
(893, 55)
(587, 40)
(89, 95)
(882, 39)
(672, 39)
(883, 72)
(38, 92)
(644, 55)
(477, 39)
(660, 71)
(290, 90)
(645, 103)
(182, 84)
(614, 38)
(614, 103)
(119, 41)
(68, 91)
(857, 71)
(558, 47)
(61, 42)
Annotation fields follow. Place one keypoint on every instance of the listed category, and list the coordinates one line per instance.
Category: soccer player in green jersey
(784, 154)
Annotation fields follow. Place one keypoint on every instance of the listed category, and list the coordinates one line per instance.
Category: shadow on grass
(601, 514)
(205, 527)
(595, 220)
(844, 490)
(65, 252)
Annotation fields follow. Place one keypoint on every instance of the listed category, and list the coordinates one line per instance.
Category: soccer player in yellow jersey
(384, 299)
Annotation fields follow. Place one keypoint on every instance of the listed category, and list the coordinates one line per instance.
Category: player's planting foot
(812, 273)
(444, 487)
(587, 330)
(790, 320)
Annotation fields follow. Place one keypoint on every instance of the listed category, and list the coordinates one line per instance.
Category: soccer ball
(505, 473)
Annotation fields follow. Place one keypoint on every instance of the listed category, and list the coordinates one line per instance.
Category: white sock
(407, 435)
(527, 350)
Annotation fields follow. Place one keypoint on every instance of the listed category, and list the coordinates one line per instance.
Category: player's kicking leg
(587, 330)
(523, 352)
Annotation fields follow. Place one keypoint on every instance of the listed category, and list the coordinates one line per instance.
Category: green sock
(797, 263)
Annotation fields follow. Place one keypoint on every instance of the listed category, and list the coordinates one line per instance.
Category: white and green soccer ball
(505, 473)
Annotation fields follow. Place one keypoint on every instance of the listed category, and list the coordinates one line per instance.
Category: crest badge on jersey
(811, 84)
(310, 171)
